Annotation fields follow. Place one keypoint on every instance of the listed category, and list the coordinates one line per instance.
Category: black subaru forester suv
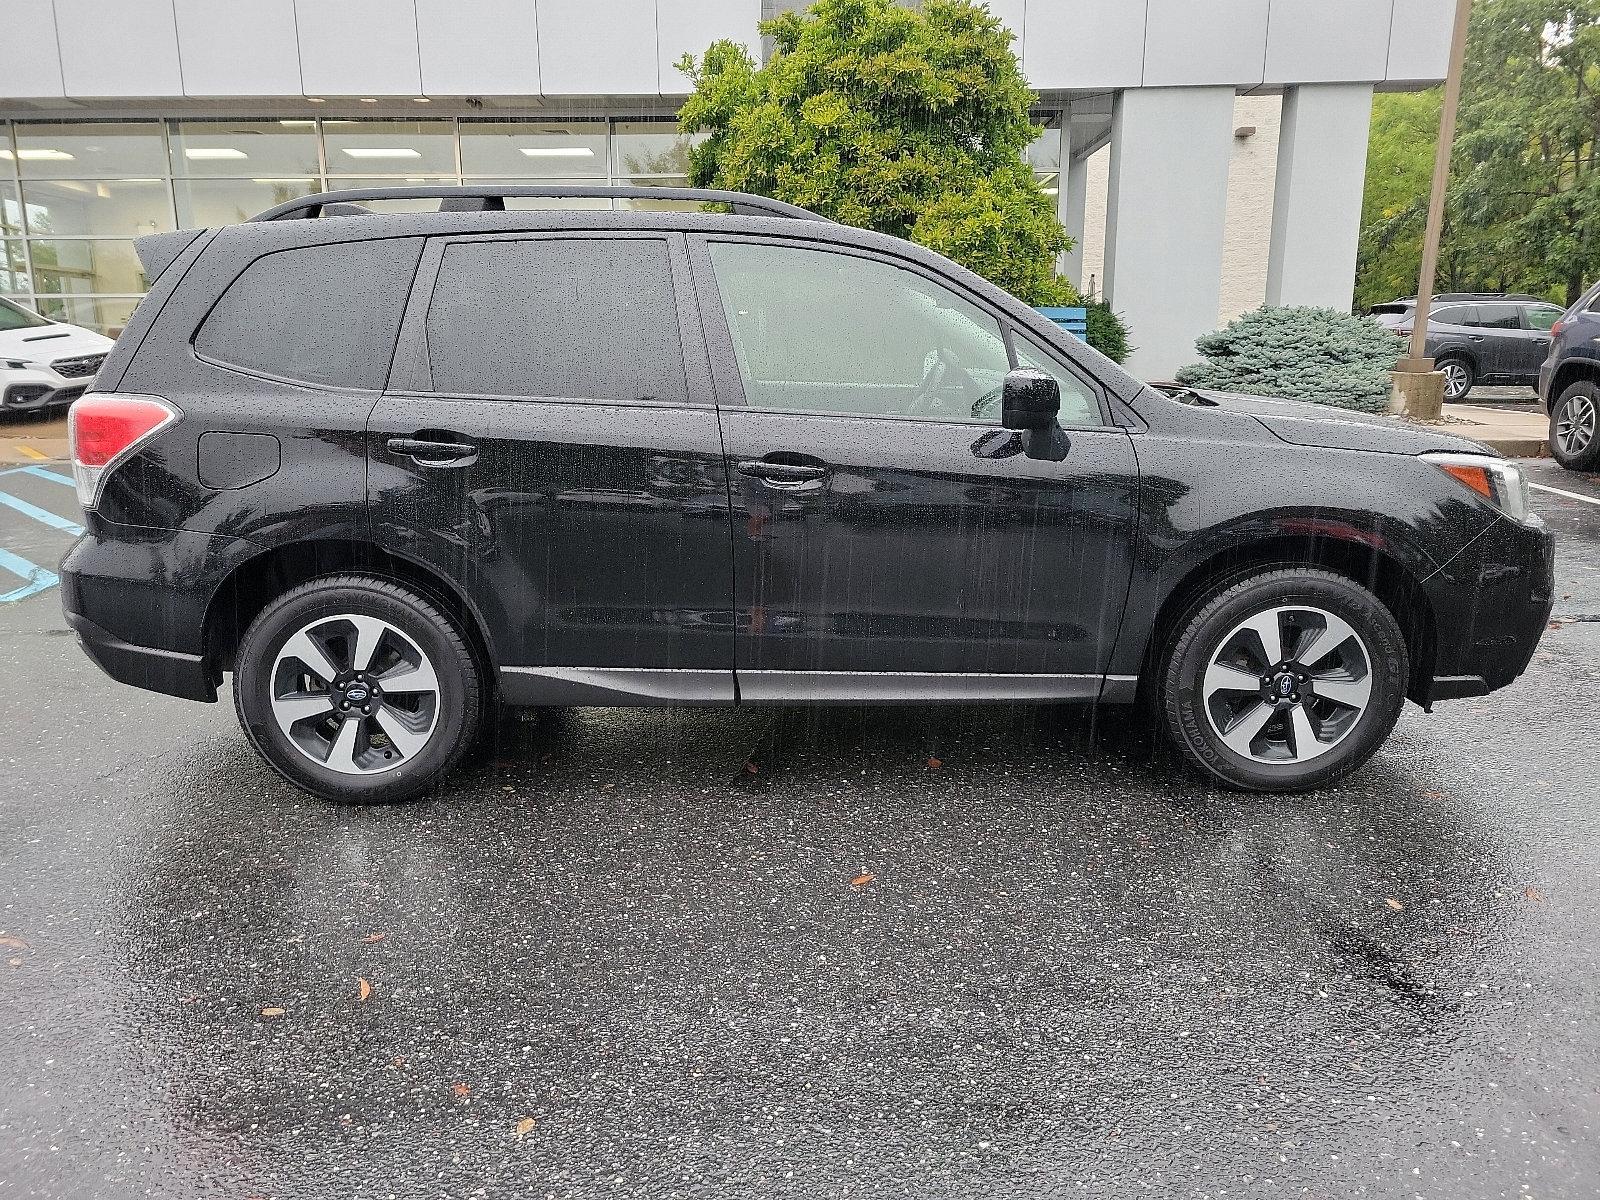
(395, 470)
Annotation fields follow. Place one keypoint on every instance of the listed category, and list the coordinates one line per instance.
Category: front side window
(563, 318)
(324, 315)
(820, 331)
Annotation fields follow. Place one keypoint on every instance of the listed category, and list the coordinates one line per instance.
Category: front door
(548, 443)
(891, 541)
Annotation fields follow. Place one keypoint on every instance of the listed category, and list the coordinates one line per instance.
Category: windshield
(14, 316)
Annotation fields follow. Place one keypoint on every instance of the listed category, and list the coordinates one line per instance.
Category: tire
(405, 720)
(1575, 427)
(1459, 378)
(1349, 695)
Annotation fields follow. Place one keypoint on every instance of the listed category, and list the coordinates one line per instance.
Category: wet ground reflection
(639, 930)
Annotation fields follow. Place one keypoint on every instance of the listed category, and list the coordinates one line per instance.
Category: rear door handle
(427, 450)
(781, 474)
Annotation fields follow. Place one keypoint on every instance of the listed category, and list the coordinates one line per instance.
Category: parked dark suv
(392, 471)
(1480, 338)
(1569, 385)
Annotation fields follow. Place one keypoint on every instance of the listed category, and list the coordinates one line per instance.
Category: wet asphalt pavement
(904, 952)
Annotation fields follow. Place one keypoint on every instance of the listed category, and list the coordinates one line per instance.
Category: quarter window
(815, 330)
(589, 319)
(1543, 317)
(1454, 316)
(325, 315)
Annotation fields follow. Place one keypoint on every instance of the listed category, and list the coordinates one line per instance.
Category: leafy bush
(1317, 354)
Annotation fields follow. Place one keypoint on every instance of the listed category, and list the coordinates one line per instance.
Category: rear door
(891, 541)
(550, 441)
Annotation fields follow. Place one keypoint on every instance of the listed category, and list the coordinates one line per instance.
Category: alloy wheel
(355, 694)
(1575, 427)
(1456, 380)
(1287, 684)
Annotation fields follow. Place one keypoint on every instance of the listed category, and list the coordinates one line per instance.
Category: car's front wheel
(1286, 681)
(357, 689)
(1458, 378)
(1575, 428)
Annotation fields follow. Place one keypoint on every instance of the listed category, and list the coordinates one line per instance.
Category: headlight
(1498, 481)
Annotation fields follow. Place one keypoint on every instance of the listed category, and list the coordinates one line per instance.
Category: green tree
(1523, 206)
(910, 122)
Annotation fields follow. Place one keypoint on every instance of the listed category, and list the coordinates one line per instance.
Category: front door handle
(431, 451)
(781, 474)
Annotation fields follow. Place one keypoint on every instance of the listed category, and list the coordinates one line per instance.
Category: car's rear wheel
(1284, 682)
(1575, 428)
(1458, 378)
(357, 689)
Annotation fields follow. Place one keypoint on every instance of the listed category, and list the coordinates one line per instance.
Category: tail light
(1555, 330)
(103, 428)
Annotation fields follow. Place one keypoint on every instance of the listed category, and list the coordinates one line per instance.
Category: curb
(1514, 447)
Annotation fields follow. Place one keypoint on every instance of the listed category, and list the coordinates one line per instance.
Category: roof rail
(492, 198)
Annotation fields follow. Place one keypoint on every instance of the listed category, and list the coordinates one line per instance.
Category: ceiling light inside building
(40, 155)
(558, 151)
(383, 152)
(204, 152)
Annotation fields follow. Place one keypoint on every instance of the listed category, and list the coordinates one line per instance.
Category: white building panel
(478, 47)
(33, 61)
(1317, 41)
(692, 25)
(1419, 42)
(1084, 44)
(1013, 15)
(118, 48)
(238, 47)
(598, 48)
(358, 47)
(1221, 41)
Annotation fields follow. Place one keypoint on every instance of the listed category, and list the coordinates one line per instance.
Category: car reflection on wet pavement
(896, 952)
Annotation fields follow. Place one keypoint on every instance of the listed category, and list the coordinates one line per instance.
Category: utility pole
(1418, 388)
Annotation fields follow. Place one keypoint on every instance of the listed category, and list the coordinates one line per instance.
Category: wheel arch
(1372, 568)
(1574, 370)
(256, 582)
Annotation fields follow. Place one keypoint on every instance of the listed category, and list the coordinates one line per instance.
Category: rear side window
(565, 318)
(1454, 316)
(325, 315)
(1499, 316)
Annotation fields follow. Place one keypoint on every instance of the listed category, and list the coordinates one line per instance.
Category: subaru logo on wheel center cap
(357, 693)
(1285, 687)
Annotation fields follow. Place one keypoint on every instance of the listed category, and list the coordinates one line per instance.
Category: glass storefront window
(97, 207)
(10, 210)
(103, 314)
(14, 279)
(551, 202)
(423, 205)
(90, 149)
(245, 148)
(207, 203)
(659, 205)
(547, 150)
(650, 148)
(390, 147)
(87, 267)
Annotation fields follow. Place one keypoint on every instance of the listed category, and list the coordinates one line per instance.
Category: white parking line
(1569, 495)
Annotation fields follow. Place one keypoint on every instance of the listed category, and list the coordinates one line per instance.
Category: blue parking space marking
(35, 578)
(43, 515)
(41, 473)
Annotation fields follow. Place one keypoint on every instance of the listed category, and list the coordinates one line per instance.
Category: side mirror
(1031, 402)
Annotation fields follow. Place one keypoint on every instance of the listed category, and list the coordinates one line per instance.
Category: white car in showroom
(43, 363)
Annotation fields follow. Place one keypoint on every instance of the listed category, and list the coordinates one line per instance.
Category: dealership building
(1207, 155)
